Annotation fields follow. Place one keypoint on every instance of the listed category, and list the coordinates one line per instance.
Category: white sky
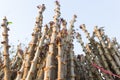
(90, 12)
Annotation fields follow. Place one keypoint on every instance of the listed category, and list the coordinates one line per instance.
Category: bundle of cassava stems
(50, 53)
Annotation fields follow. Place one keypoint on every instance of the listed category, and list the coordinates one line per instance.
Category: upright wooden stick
(6, 49)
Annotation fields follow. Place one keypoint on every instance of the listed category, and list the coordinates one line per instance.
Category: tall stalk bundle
(50, 54)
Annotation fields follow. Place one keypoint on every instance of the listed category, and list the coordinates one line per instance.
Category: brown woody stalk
(70, 41)
(94, 52)
(60, 58)
(107, 54)
(50, 65)
(37, 53)
(35, 35)
(6, 49)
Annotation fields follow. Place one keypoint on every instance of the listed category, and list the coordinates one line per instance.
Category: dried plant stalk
(6, 49)
(60, 58)
(114, 66)
(35, 35)
(50, 54)
(34, 62)
(50, 65)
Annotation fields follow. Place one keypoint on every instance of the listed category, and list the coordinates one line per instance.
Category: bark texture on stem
(6, 49)
(35, 36)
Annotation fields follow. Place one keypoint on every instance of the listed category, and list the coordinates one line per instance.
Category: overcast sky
(90, 12)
